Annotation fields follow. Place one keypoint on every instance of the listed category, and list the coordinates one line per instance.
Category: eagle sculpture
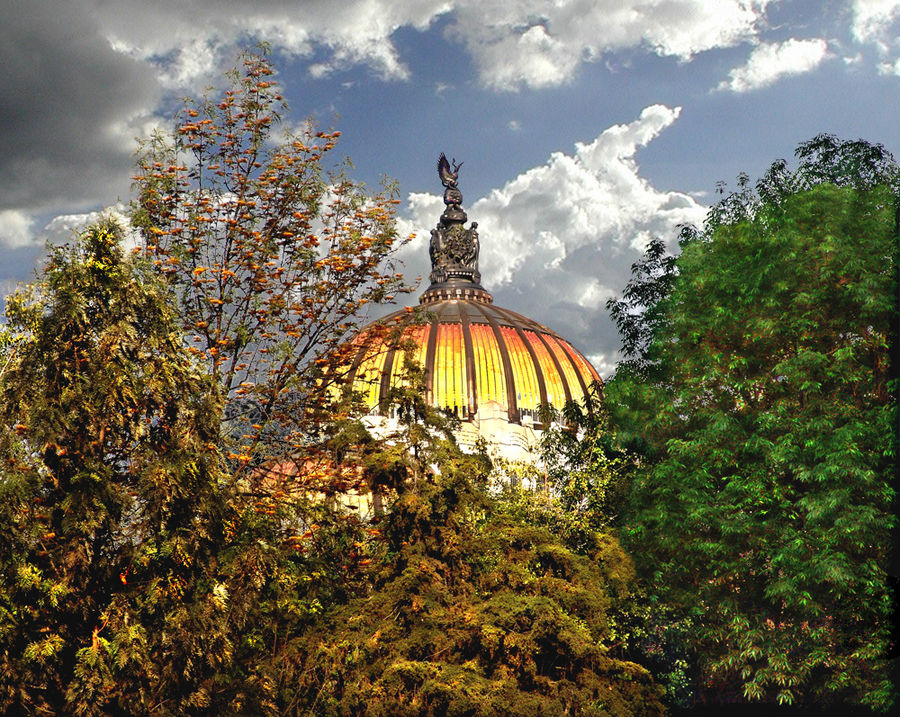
(447, 174)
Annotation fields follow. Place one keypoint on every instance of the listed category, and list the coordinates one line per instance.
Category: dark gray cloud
(69, 107)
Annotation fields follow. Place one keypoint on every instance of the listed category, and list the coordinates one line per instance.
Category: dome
(474, 354)
(479, 359)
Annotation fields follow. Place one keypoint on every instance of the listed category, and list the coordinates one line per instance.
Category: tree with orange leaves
(273, 256)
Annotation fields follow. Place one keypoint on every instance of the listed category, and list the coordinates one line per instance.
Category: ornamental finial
(448, 176)
(452, 196)
(453, 249)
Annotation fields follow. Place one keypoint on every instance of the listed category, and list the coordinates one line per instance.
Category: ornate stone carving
(453, 248)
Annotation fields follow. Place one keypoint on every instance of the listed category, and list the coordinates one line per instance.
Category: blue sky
(586, 126)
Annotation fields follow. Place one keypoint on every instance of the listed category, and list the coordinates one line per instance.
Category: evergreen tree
(136, 575)
(110, 478)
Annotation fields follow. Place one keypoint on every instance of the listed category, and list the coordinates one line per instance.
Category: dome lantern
(453, 248)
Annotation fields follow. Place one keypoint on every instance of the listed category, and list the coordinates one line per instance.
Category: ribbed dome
(474, 353)
(477, 356)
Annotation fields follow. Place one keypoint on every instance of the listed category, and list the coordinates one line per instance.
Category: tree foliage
(137, 574)
(585, 471)
(639, 314)
(177, 542)
(109, 494)
(762, 506)
(470, 610)
(273, 256)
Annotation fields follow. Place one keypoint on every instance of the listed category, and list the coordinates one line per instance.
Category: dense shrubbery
(472, 607)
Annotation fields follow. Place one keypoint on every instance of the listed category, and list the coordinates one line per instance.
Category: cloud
(559, 240)
(576, 201)
(539, 44)
(81, 79)
(872, 19)
(70, 106)
(770, 62)
(15, 228)
(533, 44)
(876, 22)
(514, 44)
(187, 42)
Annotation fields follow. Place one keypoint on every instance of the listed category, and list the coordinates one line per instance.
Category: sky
(586, 127)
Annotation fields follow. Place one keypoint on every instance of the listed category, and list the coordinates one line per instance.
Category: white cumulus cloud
(537, 44)
(188, 42)
(16, 228)
(872, 19)
(559, 240)
(877, 22)
(771, 61)
(592, 198)
(534, 43)
(64, 227)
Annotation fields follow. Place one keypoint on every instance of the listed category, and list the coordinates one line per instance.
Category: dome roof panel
(557, 389)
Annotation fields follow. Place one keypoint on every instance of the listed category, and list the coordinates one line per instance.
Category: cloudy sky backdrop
(586, 126)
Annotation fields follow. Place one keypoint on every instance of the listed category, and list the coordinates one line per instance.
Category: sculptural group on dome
(453, 248)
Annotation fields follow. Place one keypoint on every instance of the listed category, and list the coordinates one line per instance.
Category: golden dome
(475, 355)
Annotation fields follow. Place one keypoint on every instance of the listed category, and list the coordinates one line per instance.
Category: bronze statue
(452, 196)
(453, 248)
(448, 176)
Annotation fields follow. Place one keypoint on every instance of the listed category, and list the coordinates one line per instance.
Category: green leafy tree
(589, 473)
(761, 509)
(109, 480)
(145, 569)
(639, 313)
(585, 472)
(136, 576)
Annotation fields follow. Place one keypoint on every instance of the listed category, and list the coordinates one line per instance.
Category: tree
(471, 610)
(273, 258)
(585, 471)
(639, 313)
(589, 468)
(144, 570)
(762, 505)
(110, 478)
(136, 574)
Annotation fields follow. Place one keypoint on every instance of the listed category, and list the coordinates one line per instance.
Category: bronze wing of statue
(447, 174)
